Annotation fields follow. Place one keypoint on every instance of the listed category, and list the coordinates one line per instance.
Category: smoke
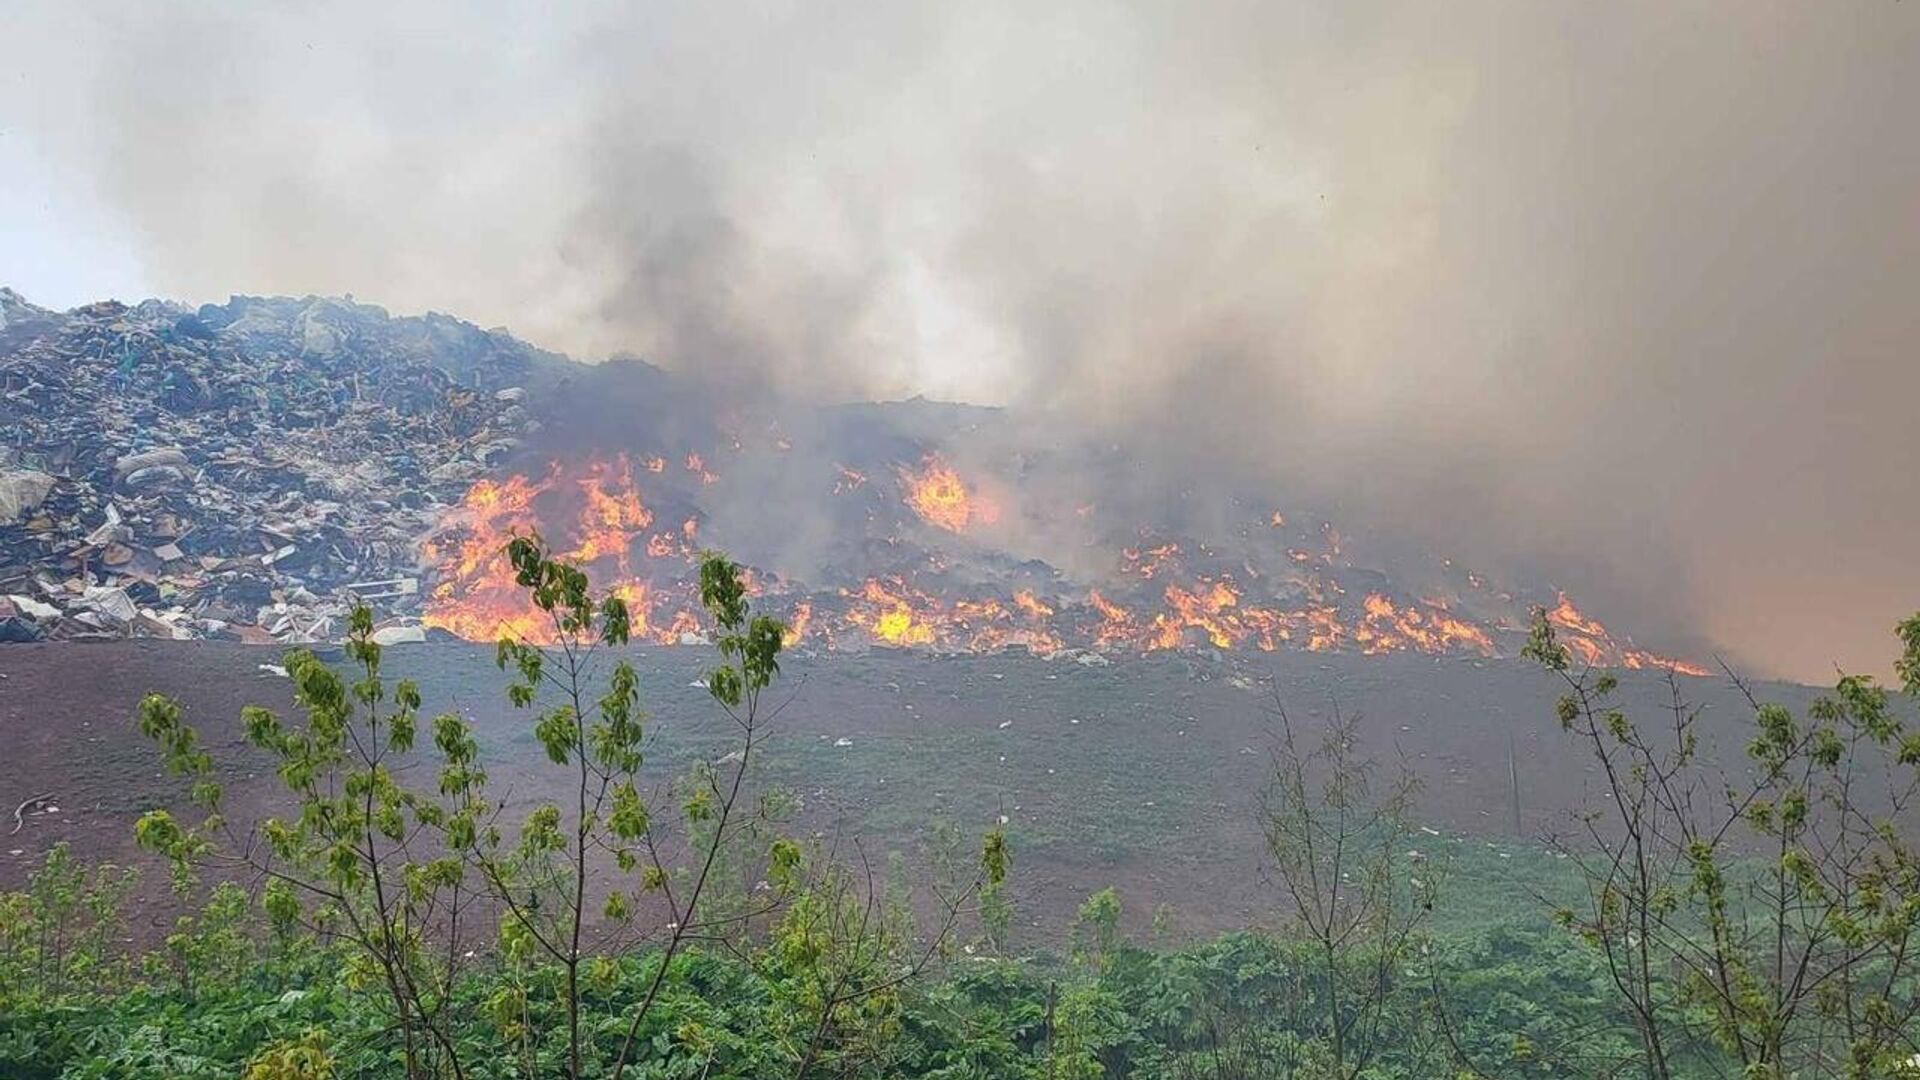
(1617, 292)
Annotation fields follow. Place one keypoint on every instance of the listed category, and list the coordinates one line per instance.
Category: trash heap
(240, 471)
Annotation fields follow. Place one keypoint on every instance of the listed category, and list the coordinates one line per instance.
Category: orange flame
(475, 595)
(941, 498)
(1165, 596)
(698, 467)
(1589, 641)
(798, 625)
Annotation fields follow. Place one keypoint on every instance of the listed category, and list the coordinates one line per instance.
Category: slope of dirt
(1145, 773)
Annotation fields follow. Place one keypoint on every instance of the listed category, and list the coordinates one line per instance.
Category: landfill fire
(1161, 593)
(605, 526)
(250, 471)
(941, 498)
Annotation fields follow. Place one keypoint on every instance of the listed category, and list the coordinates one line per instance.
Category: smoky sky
(1624, 292)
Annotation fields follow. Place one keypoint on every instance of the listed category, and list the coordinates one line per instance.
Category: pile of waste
(240, 471)
(251, 470)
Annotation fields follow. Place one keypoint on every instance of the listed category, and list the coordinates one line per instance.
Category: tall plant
(1760, 918)
(356, 863)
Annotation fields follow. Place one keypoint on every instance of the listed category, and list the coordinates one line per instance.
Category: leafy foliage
(398, 882)
(1757, 921)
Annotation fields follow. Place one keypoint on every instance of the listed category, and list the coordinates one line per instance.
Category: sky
(1620, 291)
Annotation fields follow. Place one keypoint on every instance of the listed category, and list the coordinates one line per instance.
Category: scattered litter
(19, 812)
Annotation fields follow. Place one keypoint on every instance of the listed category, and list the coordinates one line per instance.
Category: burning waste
(249, 470)
(1156, 596)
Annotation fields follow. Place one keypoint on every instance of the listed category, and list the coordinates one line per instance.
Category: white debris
(21, 492)
(111, 602)
(385, 588)
(34, 608)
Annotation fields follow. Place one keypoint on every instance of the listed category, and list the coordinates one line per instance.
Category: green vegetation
(409, 919)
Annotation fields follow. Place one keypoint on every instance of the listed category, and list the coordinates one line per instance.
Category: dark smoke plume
(1621, 293)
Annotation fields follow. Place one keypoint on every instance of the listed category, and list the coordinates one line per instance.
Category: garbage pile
(240, 471)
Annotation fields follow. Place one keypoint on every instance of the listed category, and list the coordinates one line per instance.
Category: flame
(613, 514)
(891, 618)
(798, 624)
(1027, 602)
(1117, 625)
(1594, 646)
(891, 612)
(941, 498)
(698, 467)
(1161, 594)
(1386, 627)
(475, 595)
(1151, 561)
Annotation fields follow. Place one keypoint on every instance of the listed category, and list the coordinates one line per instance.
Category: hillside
(246, 471)
(1144, 774)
